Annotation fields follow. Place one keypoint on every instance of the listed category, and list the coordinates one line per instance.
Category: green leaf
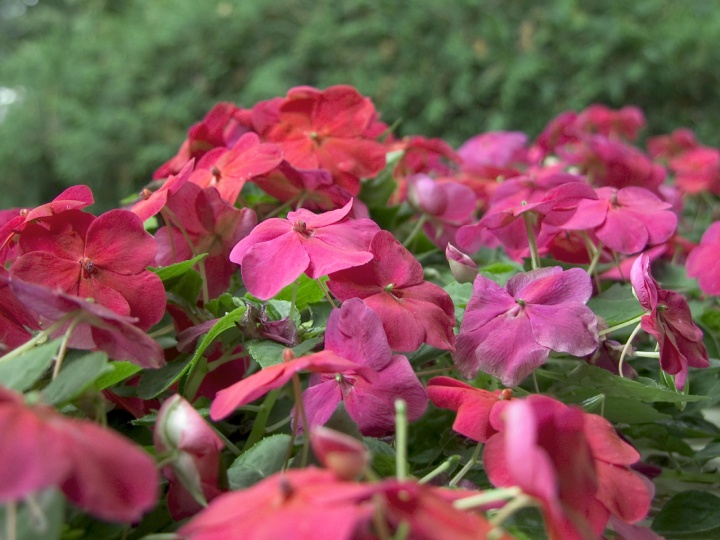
(75, 377)
(711, 451)
(269, 353)
(308, 292)
(44, 521)
(263, 459)
(155, 381)
(604, 382)
(690, 512)
(187, 286)
(120, 372)
(500, 272)
(21, 372)
(616, 305)
(167, 273)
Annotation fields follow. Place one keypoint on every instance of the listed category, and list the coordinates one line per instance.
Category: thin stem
(434, 371)
(487, 497)
(381, 526)
(449, 463)
(647, 354)
(400, 439)
(622, 325)
(306, 426)
(11, 520)
(168, 329)
(626, 348)
(326, 293)
(63, 347)
(234, 449)
(595, 259)
(466, 468)
(287, 204)
(415, 230)
(258, 429)
(522, 501)
(532, 242)
(28, 345)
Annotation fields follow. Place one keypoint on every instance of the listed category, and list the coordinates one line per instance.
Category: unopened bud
(463, 268)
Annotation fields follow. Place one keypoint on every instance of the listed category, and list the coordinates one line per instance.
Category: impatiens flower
(703, 262)
(624, 123)
(14, 317)
(355, 333)
(674, 144)
(346, 456)
(670, 323)
(508, 332)
(98, 470)
(393, 285)
(260, 383)
(194, 451)
(316, 244)
(94, 325)
(227, 169)
(697, 170)
(326, 129)
(473, 405)
(212, 225)
(151, 202)
(494, 154)
(626, 220)
(103, 258)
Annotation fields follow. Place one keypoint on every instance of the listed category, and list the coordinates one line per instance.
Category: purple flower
(508, 332)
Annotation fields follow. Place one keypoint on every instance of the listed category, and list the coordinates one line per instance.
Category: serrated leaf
(269, 353)
(263, 459)
(75, 377)
(616, 305)
(172, 271)
(308, 292)
(120, 372)
(604, 382)
(687, 513)
(44, 521)
(21, 372)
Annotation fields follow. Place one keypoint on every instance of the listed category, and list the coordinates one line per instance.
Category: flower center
(145, 194)
(520, 302)
(301, 227)
(88, 267)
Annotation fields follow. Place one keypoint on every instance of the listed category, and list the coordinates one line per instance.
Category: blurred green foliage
(108, 88)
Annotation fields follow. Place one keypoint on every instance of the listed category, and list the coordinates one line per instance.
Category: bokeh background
(102, 91)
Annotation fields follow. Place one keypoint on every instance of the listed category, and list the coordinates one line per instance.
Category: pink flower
(697, 170)
(103, 258)
(626, 220)
(151, 202)
(508, 332)
(494, 154)
(473, 405)
(672, 145)
(316, 244)
(354, 333)
(393, 285)
(194, 470)
(670, 323)
(703, 262)
(101, 472)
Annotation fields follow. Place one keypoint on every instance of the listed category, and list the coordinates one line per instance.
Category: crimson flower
(703, 262)
(670, 323)
(316, 244)
(672, 145)
(508, 332)
(355, 333)
(328, 129)
(151, 202)
(626, 219)
(494, 154)
(103, 258)
(393, 285)
(14, 317)
(97, 469)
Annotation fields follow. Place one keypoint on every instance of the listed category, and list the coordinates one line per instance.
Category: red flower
(703, 262)
(98, 470)
(393, 285)
(103, 258)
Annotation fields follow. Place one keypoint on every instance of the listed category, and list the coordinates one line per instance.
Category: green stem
(306, 426)
(448, 464)
(326, 293)
(532, 242)
(416, 229)
(11, 520)
(626, 348)
(400, 439)
(258, 429)
(63, 347)
(522, 501)
(647, 354)
(622, 325)
(595, 259)
(488, 497)
(466, 468)
(39, 338)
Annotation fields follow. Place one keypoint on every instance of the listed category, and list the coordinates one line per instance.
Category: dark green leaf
(265, 458)
(156, 381)
(173, 271)
(21, 372)
(616, 305)
(689, 512)
(120, 372)
(75, 377)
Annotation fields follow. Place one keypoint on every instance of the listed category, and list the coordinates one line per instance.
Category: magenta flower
(626, 219)
(354, 332)
(703, 262)
(97, 469)
(316, 244)
(393, 285)
(194, 469)
(508, 332)
(151, 202)
(670, 323)
(494, 154)
(697, 170)
(103, 258)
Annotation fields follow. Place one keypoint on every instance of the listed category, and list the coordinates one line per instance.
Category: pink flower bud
(344, 455)
(463, 268)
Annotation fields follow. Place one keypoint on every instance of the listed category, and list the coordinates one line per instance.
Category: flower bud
(344, 455)
(463, 268)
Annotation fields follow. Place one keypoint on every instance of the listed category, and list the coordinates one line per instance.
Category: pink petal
(47, 269)
(117, 241)
(605, 444)
(317, 221)
(326, 258)
(623, 492)
(263, 272)
(320, 401)
(572, 285)
(263, 232)
(570, 328)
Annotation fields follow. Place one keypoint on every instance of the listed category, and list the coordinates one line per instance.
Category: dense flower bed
(272, 340)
